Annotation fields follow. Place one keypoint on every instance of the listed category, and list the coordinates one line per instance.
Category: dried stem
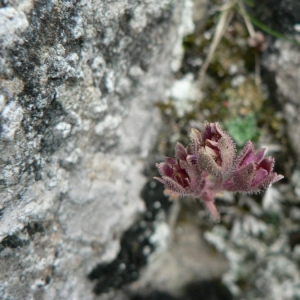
(251, 31)
(226, 16)
(248, 23)
(222, 25)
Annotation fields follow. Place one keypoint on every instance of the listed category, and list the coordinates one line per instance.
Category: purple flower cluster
(209, 165)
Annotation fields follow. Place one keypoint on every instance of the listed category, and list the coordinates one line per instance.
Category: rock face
(282, 61)
(283, 67)
(78, 84)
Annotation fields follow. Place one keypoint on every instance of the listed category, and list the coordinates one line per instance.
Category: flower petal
(267, 163)
(174, 186)
(259, 155)
(180, 152)
(164, 169)
(270, 179)
(259, 177)
(246, 155)
(213, 153)
(277, 177)
(170, 161)
(211, 144)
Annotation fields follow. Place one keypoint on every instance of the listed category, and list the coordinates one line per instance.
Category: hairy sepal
(243, 178)
(173, 186)
(227, 150)
(196, 140)
(208, 164)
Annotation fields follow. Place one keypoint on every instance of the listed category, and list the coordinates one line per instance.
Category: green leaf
(242, 129)
(249, 2)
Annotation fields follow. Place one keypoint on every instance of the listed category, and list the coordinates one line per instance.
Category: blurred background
(237, 69)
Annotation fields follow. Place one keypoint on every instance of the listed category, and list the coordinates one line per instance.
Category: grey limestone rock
(78, 85)
(281, 62)
(283, 66)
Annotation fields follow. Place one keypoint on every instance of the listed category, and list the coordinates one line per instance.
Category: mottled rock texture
(78, 86)
(281, 62)
(283, 68)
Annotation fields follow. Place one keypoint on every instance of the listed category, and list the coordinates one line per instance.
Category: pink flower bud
(208, 165)
(252, 173)
(217, 151)
(180, 175)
